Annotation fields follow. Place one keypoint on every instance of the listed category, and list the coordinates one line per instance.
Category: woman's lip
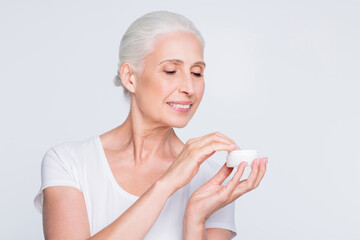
(182, 102)
(184, 110)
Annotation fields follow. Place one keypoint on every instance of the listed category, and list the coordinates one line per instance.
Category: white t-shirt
(83, 165)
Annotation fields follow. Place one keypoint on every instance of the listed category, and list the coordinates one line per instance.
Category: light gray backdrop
(282, 77)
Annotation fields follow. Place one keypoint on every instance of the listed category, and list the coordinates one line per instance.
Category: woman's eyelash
(197, 74)
(173, 72)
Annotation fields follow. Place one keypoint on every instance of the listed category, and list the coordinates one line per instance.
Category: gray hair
(137, 42)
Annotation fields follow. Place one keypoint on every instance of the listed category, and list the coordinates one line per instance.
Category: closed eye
(197, 74)
(170, 72)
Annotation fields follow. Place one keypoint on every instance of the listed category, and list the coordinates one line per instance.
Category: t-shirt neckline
(109, 172)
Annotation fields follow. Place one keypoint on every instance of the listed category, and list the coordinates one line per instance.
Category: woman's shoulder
(72, 150)
(73, 144)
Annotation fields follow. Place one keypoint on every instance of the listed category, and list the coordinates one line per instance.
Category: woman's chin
(178, 124)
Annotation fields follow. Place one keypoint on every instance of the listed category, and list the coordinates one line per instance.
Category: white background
(281, 77)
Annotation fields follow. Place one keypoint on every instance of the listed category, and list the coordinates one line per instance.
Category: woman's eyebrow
(182, 62)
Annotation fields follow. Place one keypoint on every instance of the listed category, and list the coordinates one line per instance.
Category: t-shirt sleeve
(56, 170)
(224, 217)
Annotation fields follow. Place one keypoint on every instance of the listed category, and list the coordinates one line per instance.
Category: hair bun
(117, 80)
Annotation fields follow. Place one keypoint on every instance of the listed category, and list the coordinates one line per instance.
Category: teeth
(179, 105)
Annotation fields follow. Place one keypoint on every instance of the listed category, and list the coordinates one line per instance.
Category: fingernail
(233, 146)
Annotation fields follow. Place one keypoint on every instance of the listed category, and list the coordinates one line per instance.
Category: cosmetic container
(234, 158)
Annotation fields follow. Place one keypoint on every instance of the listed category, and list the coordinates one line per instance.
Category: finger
(216, 136)
(254, 173)
(197, 143)
(262, 171)
(214, 139)
(237, 176)
(221, 175)
(240, 189)
(246, 185)
(210, 139)
(200, 139)
(213, 147)
(219, 134)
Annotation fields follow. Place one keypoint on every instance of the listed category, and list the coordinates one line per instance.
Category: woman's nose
(187, 85)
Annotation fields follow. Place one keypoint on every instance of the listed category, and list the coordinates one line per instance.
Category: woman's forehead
(178, 48)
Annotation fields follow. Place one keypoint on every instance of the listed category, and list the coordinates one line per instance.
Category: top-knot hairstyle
(138, 40)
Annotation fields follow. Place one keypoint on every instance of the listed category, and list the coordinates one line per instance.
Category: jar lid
(242, 152)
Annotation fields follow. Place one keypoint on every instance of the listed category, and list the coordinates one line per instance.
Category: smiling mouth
(184, 108)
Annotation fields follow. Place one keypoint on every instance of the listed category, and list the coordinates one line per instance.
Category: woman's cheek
(200, 88)
(168, 85)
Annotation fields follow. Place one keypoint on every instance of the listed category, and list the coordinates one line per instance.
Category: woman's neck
(144, 141)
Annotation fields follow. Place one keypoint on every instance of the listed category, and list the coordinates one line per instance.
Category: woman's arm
(65, 215)
(196, 230)
(218, 234)
(193, 229)
(138, 219)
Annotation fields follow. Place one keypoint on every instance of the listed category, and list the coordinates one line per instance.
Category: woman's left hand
(212, 195)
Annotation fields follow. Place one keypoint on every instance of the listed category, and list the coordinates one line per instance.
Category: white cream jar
(234, 158)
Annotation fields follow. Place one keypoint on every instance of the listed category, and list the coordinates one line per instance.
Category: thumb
(221, 175)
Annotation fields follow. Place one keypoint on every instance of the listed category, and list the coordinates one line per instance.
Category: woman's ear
(128, 77)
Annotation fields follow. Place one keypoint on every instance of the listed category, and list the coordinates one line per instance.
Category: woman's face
(171, 86)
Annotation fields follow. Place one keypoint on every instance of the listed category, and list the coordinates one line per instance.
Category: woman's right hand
(194, 153)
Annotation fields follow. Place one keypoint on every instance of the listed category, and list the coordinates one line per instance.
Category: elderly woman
(139, 180)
